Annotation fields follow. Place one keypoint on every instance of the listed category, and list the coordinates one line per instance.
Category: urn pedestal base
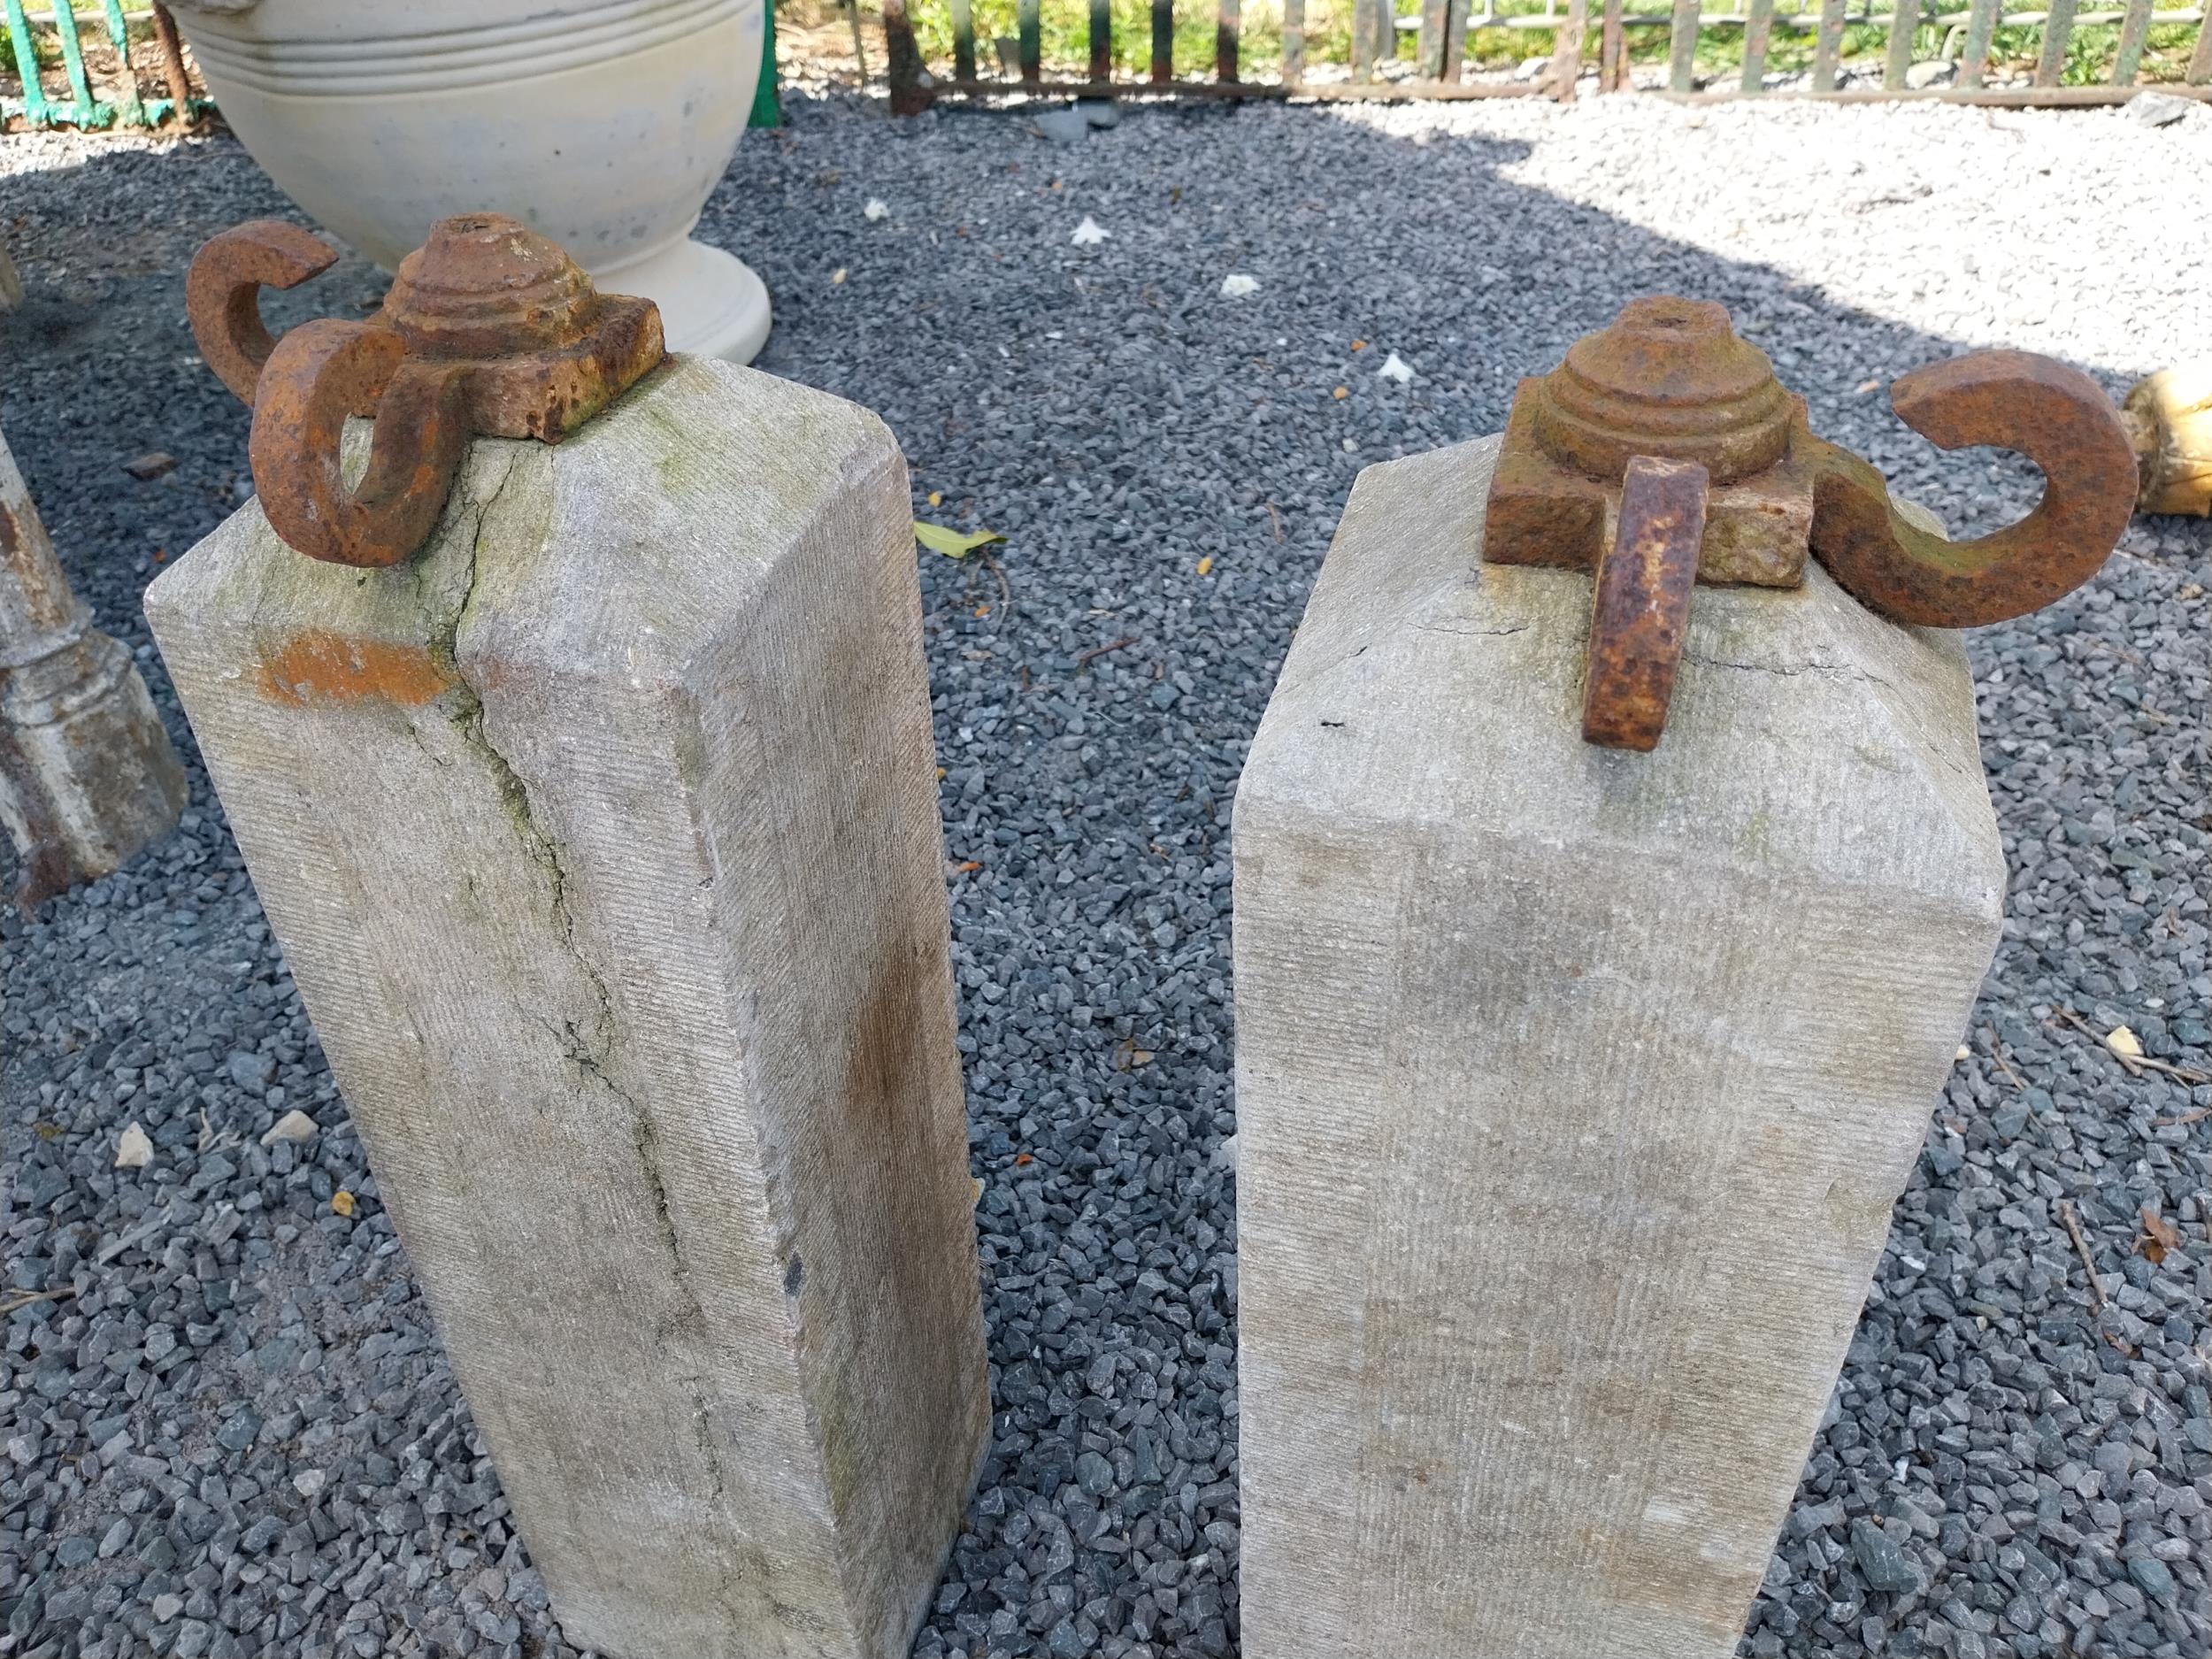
(713, 303)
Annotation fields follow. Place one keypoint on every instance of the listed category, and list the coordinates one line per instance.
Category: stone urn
(603, 124)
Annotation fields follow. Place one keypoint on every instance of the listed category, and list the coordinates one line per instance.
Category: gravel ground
(239, 1436)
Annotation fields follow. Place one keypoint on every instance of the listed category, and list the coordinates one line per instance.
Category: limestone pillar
(602, 838)
(1574, 1086)
(88, 777)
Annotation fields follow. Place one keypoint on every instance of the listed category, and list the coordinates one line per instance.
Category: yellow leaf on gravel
(954, 545)
(1206, 566)
(2120, 1039)
(342, 1202)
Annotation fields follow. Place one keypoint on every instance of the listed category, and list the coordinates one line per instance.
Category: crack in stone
(1845, 670)
(1473, 632)
(591, 1059)
(1286, 683)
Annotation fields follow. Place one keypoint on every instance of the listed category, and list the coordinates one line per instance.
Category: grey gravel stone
(1881, 1560)
(1093, 1474)
(1062, 126)
(1120, 422)
(2150, 1573)
(2161, 109)
(250, 1070)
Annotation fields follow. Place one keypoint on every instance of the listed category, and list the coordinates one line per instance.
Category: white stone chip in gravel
(294, 1126)
(2161, 109)
(133, 1149)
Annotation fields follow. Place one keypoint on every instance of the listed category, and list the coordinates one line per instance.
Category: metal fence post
(36, 113)
(910, 94)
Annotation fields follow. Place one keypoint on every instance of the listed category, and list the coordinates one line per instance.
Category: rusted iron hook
(2055, 416)
(222, 293)
(319, 373)
(1663, 452)
(488, 329)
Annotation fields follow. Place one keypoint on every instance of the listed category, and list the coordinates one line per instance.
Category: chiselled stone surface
(1574, 1087)
(601, 839)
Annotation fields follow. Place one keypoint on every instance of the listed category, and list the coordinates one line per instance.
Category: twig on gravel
(107, 1253)
(2081, 1247)
(137, 1234)
(1083, 658)
(2134, 1066)
(1997, 1056)
(2180, 1071)
(2196, 1117)
(30, 1296)
(1005, 592)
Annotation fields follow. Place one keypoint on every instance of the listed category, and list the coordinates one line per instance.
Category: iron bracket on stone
(488, 330)
(1664, 452)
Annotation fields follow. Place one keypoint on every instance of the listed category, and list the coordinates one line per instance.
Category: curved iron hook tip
(2055, 416)
(222, 293)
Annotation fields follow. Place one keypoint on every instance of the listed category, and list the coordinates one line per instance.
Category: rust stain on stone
(318, 665)
(887, 1073)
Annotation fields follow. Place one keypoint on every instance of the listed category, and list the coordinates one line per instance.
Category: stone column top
(669, 518)
(1431, 623)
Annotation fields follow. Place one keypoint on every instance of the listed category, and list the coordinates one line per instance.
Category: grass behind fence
(46, 45)
(1065, 39)
(1066, 32)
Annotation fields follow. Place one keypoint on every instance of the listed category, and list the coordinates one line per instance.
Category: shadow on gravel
(1168, 465)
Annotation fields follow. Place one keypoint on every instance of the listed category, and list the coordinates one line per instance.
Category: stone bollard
(88, 777)
(602, 838)
(1574, 1087)
(1575, 1083)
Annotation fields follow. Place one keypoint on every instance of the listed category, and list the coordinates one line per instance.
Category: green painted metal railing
(128, 107)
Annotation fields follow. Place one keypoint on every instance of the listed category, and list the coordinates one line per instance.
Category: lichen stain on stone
(1757, 842)
(322, 666)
